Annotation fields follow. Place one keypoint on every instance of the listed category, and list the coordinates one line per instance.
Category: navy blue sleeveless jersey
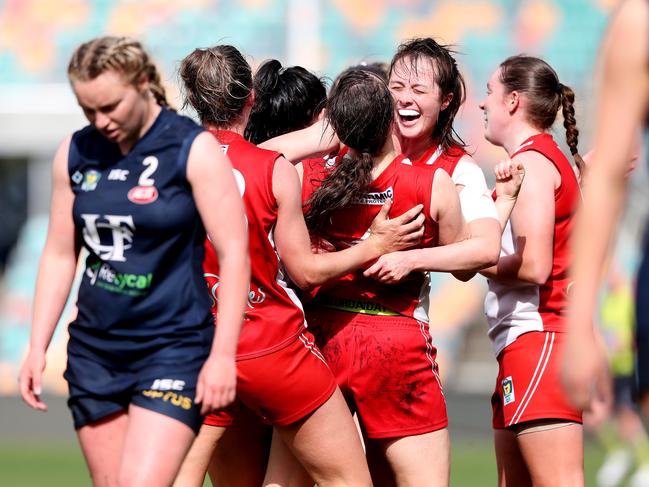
(143, 279)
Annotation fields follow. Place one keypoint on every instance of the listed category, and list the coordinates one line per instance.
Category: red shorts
(282, 387)
(385, 367)
(528, 386)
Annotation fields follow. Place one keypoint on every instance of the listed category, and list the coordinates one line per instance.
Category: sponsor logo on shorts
(170, 397)
(168, 385)
(104, 276)
(143, 195)
(90, 180)
(508, 391)
(374, 198)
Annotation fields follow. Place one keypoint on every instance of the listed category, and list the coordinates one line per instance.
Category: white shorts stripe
(517, 416)
(536, 371)
(429, 352)
(312, 348)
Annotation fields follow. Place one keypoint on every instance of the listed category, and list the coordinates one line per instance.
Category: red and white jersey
(435, 157)
(515, 309)
(274, 316)
(407, 186)
(475, 197)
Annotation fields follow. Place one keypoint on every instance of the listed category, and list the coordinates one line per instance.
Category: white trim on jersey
(435, 156)
(536, 379)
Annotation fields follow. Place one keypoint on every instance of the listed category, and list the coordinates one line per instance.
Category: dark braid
(570, 124)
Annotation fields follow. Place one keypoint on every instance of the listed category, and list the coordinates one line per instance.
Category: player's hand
(217, 383)
(30, 379)
(581, 368)
(601, 403)
(509, 177)
(390, 268)
(397, 233)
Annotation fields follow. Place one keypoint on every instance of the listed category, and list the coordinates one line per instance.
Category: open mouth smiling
(408, 115)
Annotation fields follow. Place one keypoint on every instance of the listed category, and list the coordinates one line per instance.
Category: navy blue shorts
(162, 378)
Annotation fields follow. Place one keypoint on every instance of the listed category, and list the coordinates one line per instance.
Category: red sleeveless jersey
(436, 158)
(554, 293)
(407, 186)
(514, 310)
(274, 315)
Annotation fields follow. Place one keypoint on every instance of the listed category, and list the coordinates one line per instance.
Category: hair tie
(560, 87)
(573, 151)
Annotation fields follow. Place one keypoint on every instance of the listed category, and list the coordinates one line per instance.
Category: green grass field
(62, 465)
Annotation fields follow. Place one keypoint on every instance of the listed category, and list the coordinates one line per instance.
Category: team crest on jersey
(77, 177)
(90, 180)
(143, 195)
(508, 390)
(108, 236)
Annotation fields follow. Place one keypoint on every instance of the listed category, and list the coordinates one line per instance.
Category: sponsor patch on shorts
(508, 390)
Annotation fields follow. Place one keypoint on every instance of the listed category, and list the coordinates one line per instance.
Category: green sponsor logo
(104, 276)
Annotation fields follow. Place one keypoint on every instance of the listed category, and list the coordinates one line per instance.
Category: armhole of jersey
(428, 196)
(559, 190)
(306, 185)
(73, 155)
(269, 180)
(183, 154)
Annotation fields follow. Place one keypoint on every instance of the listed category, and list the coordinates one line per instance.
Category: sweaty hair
(217, 82)
(122, 55)
(446, 75)
(545, 95)
(360, 110)
(286, 99)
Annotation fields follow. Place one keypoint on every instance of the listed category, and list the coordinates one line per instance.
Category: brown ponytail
(217, 82)
(360, 110)
(338, 190)
(545, 96)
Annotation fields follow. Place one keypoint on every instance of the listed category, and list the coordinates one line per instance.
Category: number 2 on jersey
(145, 178)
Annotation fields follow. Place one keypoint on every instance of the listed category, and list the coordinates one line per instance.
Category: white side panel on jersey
(476, 205)
(511, 309)
(282, 277)
(421, 310)
(469, 174)
(475, 197)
